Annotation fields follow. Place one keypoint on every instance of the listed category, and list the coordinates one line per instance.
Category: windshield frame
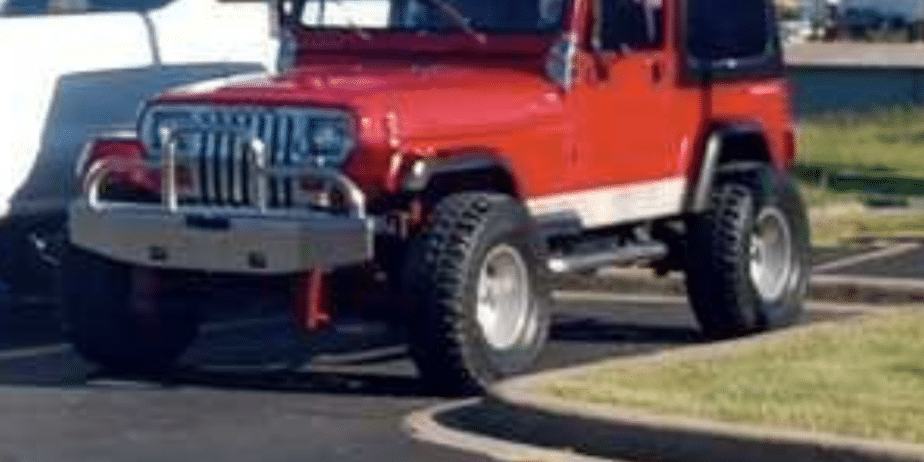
(292, 19)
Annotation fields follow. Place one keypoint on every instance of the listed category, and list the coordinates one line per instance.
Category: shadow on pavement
(273, 356)
(599, 329)
(497, 420)
(282, 381)
(374, 364)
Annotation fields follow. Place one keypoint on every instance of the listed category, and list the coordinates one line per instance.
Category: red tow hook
(312, 308)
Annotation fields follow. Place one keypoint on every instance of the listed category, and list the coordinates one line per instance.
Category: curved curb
(423, 426)
(686, 439)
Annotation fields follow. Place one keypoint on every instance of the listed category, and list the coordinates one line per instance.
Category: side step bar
(622, 255)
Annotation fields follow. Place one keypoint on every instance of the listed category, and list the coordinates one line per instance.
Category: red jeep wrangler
(446, 157)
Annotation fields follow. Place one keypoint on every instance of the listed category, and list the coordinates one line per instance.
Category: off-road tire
(721, 287)
(105, 329)
(441, 278)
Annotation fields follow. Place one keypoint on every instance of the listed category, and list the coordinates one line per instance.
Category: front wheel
(123, 318)
(748, 256)
(479, 293)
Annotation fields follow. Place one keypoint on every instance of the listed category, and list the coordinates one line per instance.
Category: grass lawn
(863, 378)
(835, 226)
(846, 159)
(886, 143)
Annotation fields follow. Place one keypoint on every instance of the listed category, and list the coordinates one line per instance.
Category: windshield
(489, 16)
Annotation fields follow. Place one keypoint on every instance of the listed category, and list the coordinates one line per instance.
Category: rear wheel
(479, 293)
(747, 258)
(124, 318)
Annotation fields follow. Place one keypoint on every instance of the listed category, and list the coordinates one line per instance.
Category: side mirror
(559, 63)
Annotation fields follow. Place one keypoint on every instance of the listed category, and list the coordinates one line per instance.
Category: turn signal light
(128, 150)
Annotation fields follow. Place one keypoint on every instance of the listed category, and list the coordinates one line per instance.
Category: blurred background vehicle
(871, 20)
(76, 67)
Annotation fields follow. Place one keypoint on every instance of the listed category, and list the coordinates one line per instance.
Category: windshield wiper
(460, 19)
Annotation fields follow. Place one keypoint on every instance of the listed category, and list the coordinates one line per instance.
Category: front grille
(217, 171)
(223, 173)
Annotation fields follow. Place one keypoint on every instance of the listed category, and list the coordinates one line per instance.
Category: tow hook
(312, 308)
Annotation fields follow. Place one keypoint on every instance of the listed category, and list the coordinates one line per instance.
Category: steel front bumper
(254, 239)
(234, 243)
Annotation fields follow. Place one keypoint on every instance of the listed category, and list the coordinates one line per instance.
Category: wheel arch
(724, 143)
(464, 170)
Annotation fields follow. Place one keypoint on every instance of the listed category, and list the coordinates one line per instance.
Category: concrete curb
(823, 287)
(631, 433)
(423, 425)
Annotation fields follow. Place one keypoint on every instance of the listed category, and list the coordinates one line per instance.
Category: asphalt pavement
(253, 389)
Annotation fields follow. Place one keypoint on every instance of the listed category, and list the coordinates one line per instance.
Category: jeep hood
(438, 97)
(345, 83)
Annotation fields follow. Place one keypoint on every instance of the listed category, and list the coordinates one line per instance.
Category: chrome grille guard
(251, 148)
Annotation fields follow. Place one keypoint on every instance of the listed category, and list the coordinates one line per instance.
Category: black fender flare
(420, 175)
(700, 186)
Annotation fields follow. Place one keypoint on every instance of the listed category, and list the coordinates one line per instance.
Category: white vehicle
(72, 68)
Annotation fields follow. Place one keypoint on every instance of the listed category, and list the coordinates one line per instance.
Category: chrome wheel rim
(504, 305)
(771, 262)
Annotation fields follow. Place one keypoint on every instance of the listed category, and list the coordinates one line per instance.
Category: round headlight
(158, 118)
(329, 138)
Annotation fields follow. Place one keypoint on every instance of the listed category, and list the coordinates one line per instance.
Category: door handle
(654, 68)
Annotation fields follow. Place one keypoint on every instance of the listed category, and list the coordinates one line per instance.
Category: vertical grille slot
(286, 186)
(205, 162)
(223, 173)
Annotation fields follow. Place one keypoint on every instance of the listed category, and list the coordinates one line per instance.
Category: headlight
(153, 120)
(328, 139)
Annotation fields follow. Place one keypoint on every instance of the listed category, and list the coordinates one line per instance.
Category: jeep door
(624, 97)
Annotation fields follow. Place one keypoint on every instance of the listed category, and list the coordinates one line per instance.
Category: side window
(629, 25)
(127, 5)
(346, 13)
(49, 7)
(729, 29)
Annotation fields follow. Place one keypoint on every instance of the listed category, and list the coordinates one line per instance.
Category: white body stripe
(616, 204)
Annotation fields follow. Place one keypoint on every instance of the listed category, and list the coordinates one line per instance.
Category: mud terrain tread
(437, 280)
(440, 329)
(720, 290)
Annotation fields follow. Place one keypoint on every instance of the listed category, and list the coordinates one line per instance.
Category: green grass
(889, 142)
(839, 227)
(848, 159)
(861, 379)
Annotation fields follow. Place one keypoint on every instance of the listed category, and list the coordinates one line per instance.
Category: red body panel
(627, 118)
(630, 117)
(623, 112)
